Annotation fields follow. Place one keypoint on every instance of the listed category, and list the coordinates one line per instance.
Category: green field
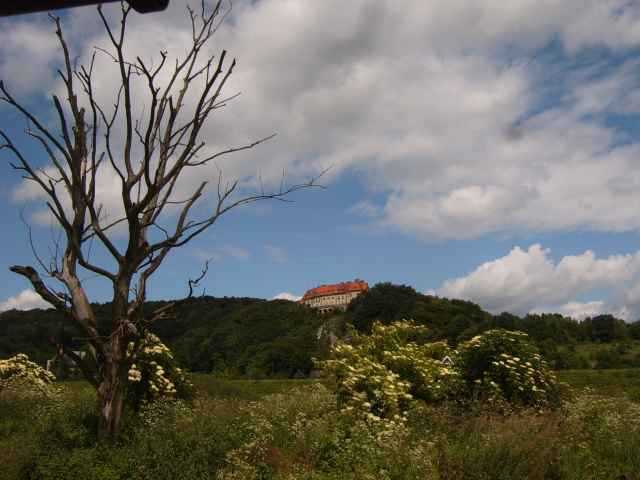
(210, 386)
(607, 355)
(605, 382)
(289, 429)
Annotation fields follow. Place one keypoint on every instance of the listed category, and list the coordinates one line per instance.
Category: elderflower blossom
(21, 376)
(513, 369)
(378, 376)
(153, 374)
(135, 375)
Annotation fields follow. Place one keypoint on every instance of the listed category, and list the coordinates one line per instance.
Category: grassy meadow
(290, 429)
(610, 383)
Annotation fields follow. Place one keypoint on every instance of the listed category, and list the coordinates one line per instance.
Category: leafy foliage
(504, 364)
(29, 332)
(258, 340)
(387, 303)
(228, 336)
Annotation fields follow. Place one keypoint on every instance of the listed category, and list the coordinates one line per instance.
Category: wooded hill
(248, 337)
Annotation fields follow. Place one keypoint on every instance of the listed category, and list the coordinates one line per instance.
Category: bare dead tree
(169, 139)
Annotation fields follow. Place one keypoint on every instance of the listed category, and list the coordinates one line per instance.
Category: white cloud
(108, 195)
(286, 296)
(25, 300)
(32, 40)
(578, 310)
(430, 102)
(365, 209)
(530, 280)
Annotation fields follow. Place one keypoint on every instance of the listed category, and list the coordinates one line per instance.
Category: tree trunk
(112, 388)
(111, 395)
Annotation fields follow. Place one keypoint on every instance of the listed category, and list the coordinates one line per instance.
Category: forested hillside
(229, 336)
(599, 342)
(248, 337)
(458, 320)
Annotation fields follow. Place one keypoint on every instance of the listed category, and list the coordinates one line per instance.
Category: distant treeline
(601, 342)
(247, 337)
(228, 336)
(457, 320)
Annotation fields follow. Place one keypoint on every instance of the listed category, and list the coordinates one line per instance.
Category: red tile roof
(336, 288)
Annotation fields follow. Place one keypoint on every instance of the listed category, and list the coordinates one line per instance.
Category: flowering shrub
(378, 375)
(503, 364)
(154, 373)
(20, 376)
(430, 378)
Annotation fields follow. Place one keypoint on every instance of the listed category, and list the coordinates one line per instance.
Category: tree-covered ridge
(228, 336)
(386, 302)
(259, 339)
(459, 320)
(249, 337)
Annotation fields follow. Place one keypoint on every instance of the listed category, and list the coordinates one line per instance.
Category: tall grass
(291, 430)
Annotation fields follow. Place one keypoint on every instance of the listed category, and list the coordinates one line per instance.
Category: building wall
(331, 302)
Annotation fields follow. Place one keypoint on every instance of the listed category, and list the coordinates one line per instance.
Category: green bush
(377, 376)
(155, 374)
(608, 358)
(504, 364)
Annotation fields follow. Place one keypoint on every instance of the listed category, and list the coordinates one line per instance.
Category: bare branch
(196, 281)
(31, 244)
(231, 150)
(166, 311)
(38, 285)
(7, 98)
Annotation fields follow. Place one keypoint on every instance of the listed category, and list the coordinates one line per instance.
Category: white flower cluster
(377, 375)
(159, 383)
(20, 375)
(135, 375)
(512, 369)
(430, 377)
(153, 367)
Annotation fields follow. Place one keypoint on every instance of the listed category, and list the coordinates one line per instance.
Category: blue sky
(486, 152)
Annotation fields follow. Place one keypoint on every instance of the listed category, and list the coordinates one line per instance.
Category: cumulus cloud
(286, 296)
(25, 300)
(443, 108)
(530, 280)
